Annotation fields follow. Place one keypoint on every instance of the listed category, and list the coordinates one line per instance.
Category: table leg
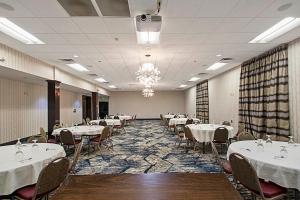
(203, 144)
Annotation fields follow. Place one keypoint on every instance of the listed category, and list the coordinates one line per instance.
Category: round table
(126, 117)
(109, 122)
(178, 121)
(205, 132)
(170, 116)
(16, 174)
(268, 163)
(81, 130)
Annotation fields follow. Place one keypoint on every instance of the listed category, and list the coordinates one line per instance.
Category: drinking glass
(19, 154)
(291, 141)
(260, 145)
(269, 141)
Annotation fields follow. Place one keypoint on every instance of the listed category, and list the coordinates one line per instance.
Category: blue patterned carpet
(145, 148)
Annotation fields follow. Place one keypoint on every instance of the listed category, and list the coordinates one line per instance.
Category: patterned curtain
(202, 102)
(263, 102)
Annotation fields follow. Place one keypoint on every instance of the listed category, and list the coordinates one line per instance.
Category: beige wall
(23, 109)
(134, 103)
(190, 101)
(68, 102)
(223, 91)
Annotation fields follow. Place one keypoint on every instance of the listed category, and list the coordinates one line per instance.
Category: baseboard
(23, 140)
(149, 119)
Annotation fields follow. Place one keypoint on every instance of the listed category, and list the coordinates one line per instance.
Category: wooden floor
(169, 186)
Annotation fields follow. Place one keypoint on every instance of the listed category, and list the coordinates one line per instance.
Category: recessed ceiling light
(147, 37)
(112, 86)
(75, 56)
(182, 85)
(277, 30)
(101, 80)
(14, 31)
(78, 67)
(216, 66)
(148, 55)
(99, 61)
(193, 79)
(219, 55)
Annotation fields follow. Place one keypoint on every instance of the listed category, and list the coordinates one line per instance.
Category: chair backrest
(123, 123)
(43, 132)
(245, 136)
(221, 135)
(102, 123)
(76, 157)
(215, 151)
(105, 134)
(83, 122)
(243, 172)
(66, 137)
(226, 123)
(51, 177)
(188, 133)
(166, 123)
(116, 117)
(241, 129)
(87, 120)
(189, 121)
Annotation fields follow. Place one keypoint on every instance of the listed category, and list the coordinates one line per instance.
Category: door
(103, 109)
(86, 107)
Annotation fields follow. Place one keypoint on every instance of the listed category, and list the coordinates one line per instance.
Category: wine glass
(34, 143)
(260, 145)
(269, 141)
(291, 141)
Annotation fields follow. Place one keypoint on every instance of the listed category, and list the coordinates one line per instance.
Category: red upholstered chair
(50, 178)
(122, 126)
(225, 164)
(103, 139)
(221, 137)
(67, 139)
(245, 174)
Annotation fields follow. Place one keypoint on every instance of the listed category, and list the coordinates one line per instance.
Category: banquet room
(149, 99)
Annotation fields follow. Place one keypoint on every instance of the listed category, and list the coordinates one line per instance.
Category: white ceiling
(193, 33)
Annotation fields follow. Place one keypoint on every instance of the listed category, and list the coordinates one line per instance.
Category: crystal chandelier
(148, 92)
(148, 75)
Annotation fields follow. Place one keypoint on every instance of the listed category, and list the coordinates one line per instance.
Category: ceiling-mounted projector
(148, 23)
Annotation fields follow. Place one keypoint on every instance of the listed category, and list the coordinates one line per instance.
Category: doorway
(103, 109)
(86, 107)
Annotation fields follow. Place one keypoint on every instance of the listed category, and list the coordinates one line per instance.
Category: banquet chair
(189, 121)
(87, 120)
(226, 167)
(122, 126)
(44, 134)
(189, 138)
(102, 123)
(51, 177)
(103, 139)
(75, 158)
(241, 129)
(180, 136)
(83, 122)
(67, 139)
(245, 174)
(116, 117)
(221, 137)
(226, 123)
(245, 136)
(57, 126)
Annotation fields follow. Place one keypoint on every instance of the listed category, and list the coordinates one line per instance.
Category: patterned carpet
(147, 148)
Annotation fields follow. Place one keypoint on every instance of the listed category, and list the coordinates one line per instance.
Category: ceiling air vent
(114, 7)
(79, 7)
(226, 59)
(93, 75)
(66, 59)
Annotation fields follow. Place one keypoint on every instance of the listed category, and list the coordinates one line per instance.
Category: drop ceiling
(193, 33)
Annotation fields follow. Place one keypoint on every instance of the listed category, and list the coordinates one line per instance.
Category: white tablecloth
(169, 116)
(126, 117)
(81, 130)
(282, 171)
(177, 121)
(110, 122)
(16, 174)
(205, 132)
